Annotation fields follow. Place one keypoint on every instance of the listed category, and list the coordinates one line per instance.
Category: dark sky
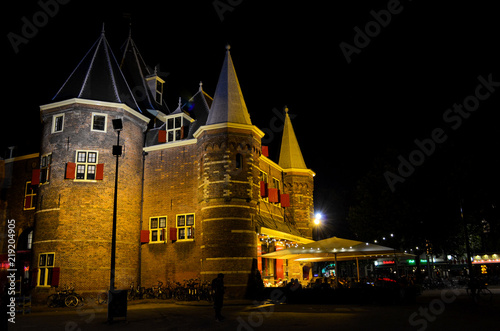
(396, 88)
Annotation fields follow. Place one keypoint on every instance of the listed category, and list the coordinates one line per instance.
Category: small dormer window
(159, 91)
(175, 128)
(155, 86)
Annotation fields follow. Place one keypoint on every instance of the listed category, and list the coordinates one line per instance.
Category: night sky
(404, 71)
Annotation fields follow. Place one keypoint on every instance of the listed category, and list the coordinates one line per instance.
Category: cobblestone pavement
(434, 310)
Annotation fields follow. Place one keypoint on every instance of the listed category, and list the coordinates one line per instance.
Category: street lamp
(317, 223)
(117, 151)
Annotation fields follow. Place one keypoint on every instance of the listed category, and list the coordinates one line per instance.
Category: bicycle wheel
(80, 300)
(52, 300)
(71, 301)
(102, 298)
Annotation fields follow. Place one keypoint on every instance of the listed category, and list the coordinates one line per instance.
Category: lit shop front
(488, 266)
(276, 271)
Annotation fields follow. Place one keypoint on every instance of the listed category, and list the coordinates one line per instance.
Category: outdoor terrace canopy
(335, 249)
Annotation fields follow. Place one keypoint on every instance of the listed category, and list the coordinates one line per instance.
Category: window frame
(45, 164)
(175, 132)
(187, 230)
(263, 177)
(54, 123)
(89, 167)
(159, 91)
(45, 270)
(161, 236)
(105, 122)
(276, 184)
(29, 191)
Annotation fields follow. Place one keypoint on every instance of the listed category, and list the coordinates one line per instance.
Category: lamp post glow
(317, 223)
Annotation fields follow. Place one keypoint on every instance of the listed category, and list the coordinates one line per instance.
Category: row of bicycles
(189, 290)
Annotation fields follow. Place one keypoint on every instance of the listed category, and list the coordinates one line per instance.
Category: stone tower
(229, 147)
(73, 225)
(298, 180)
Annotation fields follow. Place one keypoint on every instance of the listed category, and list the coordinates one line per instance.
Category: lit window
(45, 162)
(157, 228)
(57, 123)
(185, 226)
(45, 269)
(99, 122)
(175, 129)
(29, 244)
(29, 197)
(86, 162)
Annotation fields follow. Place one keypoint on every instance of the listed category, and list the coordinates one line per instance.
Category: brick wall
(74, 218)
(170, 189)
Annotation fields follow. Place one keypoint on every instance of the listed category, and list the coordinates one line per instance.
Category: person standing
(218, 288)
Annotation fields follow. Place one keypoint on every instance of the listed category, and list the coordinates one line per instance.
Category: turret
(73, 224)
(229, 147)
(298, 180)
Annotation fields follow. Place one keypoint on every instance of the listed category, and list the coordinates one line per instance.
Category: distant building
(197, 194)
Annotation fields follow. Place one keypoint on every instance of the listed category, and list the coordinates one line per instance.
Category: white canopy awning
(335, 248)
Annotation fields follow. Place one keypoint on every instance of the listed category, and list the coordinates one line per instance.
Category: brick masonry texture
(216, 177)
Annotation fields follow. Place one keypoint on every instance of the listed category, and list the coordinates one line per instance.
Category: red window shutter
(55, 277)
(162, 136)
(70, 170)
(144, 236)
(263, 189)
(279, 265)
(35, 177)
(99, 171)
(27, 202)
(173, 234)
(265, 151)
(273, 194)
(285, 200)
(183, 131)
(34, 276)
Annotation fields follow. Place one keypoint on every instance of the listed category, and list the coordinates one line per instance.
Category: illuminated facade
(197, 193)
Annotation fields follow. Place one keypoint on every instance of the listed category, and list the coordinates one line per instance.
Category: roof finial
(180, 102)
(286, 109)
(228, 47)
(102, 32)
(201, 84)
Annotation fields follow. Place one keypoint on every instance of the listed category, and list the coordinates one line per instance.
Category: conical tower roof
(136, 72)
(98, 77)
(228, 105)
(290, 154)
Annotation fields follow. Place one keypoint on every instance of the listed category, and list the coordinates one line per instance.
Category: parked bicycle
(135, 293)
(66, 297)
(156, 292)
(192, 290)
(479, 292)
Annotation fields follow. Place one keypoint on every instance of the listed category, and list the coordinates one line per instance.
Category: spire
(98, 77)
(228, 104)
(290, 154)
(143, 79)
